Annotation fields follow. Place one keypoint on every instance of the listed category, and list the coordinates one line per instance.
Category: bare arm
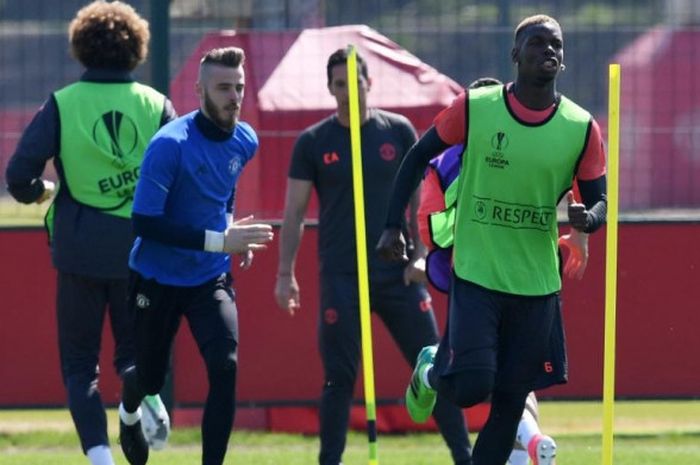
(415, 269)
(297, 200)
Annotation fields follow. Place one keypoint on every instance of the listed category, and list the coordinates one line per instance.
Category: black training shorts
(520, 338)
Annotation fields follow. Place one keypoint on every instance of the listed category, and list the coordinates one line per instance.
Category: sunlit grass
(646, 433)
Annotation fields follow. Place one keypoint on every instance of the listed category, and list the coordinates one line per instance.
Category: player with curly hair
(96, 131)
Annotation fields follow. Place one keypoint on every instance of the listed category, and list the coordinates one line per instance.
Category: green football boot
(420, 399)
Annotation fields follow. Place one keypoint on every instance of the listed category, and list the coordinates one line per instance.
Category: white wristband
(213, 241)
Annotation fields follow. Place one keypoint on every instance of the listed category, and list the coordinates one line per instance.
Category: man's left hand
(392, 246)
(578, 215)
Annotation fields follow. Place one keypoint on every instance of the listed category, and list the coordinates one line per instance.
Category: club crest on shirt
(234, 166)
(142, 301)
(387, 151)
(330, 316)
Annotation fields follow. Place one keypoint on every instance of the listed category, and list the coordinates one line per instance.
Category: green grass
(647, 433)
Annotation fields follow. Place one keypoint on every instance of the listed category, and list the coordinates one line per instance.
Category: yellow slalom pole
(361, 242)
(611, 263)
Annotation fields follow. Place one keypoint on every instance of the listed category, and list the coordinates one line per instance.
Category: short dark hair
(484, 82)
(532, 21)
(340, 57)
(109, 36)
(231, 57)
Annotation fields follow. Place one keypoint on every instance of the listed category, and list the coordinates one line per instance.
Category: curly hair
(109, 36)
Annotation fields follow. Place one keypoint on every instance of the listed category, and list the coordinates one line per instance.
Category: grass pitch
(647, 433)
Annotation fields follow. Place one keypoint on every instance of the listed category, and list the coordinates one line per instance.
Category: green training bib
(513, 175)
(105, 128)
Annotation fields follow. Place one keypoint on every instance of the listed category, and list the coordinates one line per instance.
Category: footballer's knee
(221, 358)
(338, 384)
(84, 383)
(339, 378)
(467, 388)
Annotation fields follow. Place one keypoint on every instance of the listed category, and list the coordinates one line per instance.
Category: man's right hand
(577, 244)
(242, 236)
(392, 246)
(287, 293)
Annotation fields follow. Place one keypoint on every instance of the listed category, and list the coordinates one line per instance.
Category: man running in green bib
(96, 131)
(525, 144)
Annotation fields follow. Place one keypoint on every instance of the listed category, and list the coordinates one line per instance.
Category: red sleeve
(450, 123)
(592, 164)
(575, 190)
(432, 200)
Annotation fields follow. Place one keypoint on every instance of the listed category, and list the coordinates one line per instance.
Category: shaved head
(532, 21)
